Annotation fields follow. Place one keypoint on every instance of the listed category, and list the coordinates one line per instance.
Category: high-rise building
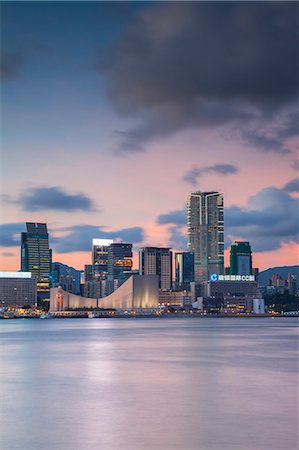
(120, 262)
(292, 284)
(157, 261)
(184, 270)
(88, 272)
(65, 276)
(206, 233)
(240, 258)
(36, 255)
(100, 258)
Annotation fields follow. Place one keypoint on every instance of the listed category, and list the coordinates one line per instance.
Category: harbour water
(149, 384)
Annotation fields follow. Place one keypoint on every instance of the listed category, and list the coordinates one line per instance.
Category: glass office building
(206, 233)
(36, 255)
(157, 261)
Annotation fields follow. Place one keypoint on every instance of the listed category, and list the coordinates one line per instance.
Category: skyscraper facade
(206, 233)
(65, 276)
(100, 248)
(36, 256)
(157, 261)
(240, 258)
(184, 270)
(120, 262)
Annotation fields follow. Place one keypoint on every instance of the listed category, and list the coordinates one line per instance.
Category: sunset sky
(112, 113)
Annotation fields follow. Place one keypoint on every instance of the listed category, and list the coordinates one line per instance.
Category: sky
(113, 112)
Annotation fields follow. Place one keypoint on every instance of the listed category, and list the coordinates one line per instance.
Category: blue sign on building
(214, 277)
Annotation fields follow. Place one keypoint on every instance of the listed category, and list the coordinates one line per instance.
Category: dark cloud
(269, 219)
(54, 198)
(193, 64)
(8, 254)
(290, 127)
(74, 239)
(292, 186)
(265, 143)
(273, 137)
(194, 174)
(173, 217)
(11, 64)
(79, 237)
(295, 165)
(10, 234)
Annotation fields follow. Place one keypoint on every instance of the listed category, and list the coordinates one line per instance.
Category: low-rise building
(230, 293)
(17, 289)
(175, 298)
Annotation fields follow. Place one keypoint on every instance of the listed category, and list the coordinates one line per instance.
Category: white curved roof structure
(138, 292)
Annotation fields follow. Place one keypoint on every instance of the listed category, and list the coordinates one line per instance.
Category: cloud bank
(77, 238)
(269, 219)
(54, 198)
(201, 64)
(193, 175)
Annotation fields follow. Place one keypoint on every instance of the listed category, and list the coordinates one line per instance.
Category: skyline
(113, 113)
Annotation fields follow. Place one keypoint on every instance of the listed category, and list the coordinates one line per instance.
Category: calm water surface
(149, 384)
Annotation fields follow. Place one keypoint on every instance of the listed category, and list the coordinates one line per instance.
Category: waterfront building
(36, 256)
(100, 248)
(240, 258)
(120, 262)
(206, 233)
(17, 289)
(184, 270)
(258, 306)
(136, 293)
(175, 298)
(230, 293)
(157, 261)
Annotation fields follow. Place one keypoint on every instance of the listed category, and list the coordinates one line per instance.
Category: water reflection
(188, 384)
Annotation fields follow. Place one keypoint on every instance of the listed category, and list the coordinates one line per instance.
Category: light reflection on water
(149, 384)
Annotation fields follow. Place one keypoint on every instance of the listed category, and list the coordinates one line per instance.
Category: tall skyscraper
(206, 233)
(36, 255)
(157, 261)
(240, 258)
(100, 248)
(184, 270)
(120, 262)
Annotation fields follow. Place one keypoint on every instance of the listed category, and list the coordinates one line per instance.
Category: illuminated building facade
(184, 270)
(120, 262)
(230, 293)
(35, 256)
(136, 293)
(100, 250)
(175, 298)
(157, 261)
(206, 233)
(240, 258)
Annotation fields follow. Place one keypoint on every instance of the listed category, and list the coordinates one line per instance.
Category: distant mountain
(282, 271)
